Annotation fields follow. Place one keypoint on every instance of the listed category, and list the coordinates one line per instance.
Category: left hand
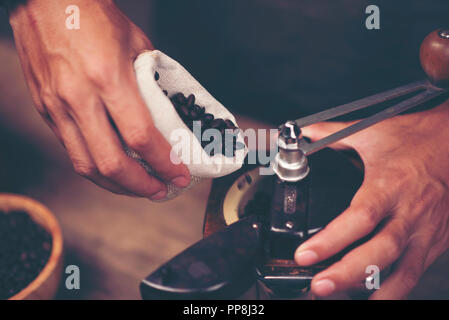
(404, 197)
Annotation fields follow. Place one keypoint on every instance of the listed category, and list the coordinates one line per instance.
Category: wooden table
(115, 240)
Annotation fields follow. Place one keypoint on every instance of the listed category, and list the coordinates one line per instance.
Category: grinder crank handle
(221, 266)
(434, 56)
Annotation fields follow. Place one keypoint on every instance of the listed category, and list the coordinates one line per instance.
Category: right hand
(81, 80)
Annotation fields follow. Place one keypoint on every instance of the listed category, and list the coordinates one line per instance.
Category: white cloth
(174, 78)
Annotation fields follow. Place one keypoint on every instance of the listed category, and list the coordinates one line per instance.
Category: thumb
(321, 130)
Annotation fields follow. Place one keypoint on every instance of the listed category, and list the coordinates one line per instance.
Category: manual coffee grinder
(254, 222)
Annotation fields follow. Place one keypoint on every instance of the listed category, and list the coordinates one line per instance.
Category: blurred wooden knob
(434, 55)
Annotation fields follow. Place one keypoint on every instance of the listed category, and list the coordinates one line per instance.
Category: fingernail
(160, 195)
(306, 258)
(323, 287)
(181, 182)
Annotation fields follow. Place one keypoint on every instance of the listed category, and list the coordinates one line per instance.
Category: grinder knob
(434, 56)
(290, 164)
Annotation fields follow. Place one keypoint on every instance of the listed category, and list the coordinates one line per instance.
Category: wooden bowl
(45, 285)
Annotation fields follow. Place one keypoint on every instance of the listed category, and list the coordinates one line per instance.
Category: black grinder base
(334, 179)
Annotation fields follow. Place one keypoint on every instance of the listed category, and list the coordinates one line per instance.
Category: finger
(110, 186)
(73, 141)
(49, 121)
(109, 156)
(136, 126)
(321, 130)
(82, 161)
(407, 271)
(381, 251)
(361, 290)
(368, 208)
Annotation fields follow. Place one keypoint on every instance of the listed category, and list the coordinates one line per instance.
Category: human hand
(81, 81)
(404, 201)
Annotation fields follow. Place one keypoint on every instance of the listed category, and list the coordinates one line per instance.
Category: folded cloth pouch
(173, 78)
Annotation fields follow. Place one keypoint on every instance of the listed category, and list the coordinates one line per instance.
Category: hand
(404, 199)
(81, 81)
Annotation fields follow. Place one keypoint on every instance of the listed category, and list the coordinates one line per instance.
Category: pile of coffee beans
(189, 112)
(25, 248)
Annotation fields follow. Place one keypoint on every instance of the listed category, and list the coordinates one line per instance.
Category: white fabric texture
(174, 78)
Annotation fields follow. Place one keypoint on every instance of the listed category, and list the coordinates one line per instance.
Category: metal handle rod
(362, 103)
(430, 93)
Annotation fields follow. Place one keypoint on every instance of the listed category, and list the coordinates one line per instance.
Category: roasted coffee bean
(217, 124)
(24, 251)
(193, 115)
(156, 76)
(191, 101)
(230, 124)
(199, 110)
(180, 98)
(184, 110)
(190, 112)
(207, 117)
(204, 124)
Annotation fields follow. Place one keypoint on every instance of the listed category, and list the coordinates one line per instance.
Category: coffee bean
(204, 124)
(193, 115)
(189, 112)
(191, 101)
(23, 254)
(208, 117)
(184, 110)
(217, 124)
(199, 110)
(180, 98)
(175, 103)
(230, 124)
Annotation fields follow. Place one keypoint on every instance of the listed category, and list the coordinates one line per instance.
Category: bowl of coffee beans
(30, 249)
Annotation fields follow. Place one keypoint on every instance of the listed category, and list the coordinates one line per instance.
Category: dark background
(278, 60)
